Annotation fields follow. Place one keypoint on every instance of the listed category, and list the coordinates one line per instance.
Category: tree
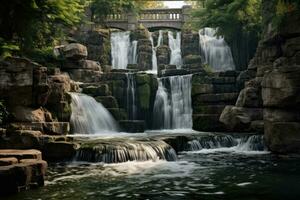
(239, 21)
(32, 24)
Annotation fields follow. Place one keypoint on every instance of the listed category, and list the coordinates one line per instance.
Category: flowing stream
(215, 51)
(224, 169)
(90, 117)
(154, 49)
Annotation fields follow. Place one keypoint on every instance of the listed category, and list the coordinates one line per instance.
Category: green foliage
(284, 7)
(32, 24)
(3, 113)
(239, 21)
(208, 69)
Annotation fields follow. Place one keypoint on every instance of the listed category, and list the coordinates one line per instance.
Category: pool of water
(206, 174)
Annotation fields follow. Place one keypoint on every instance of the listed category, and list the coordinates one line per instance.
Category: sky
(174, 4)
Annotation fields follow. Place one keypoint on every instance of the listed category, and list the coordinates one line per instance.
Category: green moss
(144, 93)
(142, 79)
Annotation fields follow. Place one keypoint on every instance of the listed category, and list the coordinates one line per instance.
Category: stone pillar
(132, 21)
(186, 13)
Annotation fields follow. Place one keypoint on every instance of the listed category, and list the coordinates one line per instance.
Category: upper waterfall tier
(215, 51)
(90, 117)
(123, 52)
(175, 46)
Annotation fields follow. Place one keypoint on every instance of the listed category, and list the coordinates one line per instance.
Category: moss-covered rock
(118, 113)
(102, 90)
(144, 95)
(191, 59)
(107, 101)
(142, 79)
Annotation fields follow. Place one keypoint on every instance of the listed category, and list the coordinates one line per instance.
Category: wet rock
(118, 113)
(75, 51)
(144, 95)
(227, 98)
(250, 97)
(101, 90)
(133, 126)
(21, 154)
(207, 122)
(108, 101)
(29, 173)
(239, 118)
(8, 161)
(202, 89)
(59, 150)
(281, 87)
(191, 59)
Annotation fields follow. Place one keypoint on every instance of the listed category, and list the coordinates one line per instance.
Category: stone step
(100, 90)
(50, 128)
(8, 161)
(21, 154)
(173, 72)
(207, 122)
(208, 109)
(133, 126)
(227, 98)
(27, 174)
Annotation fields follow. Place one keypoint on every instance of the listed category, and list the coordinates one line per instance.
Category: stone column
(132, 21)
(186, 13)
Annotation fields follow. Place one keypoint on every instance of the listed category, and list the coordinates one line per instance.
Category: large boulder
(239, 118)
(75, 51)
(281, 87)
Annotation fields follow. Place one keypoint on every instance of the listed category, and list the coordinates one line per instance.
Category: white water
(133, 52)
(247, 145)
(120, 46)
(130, 94)
(90, 117)
(175, 46)
(154, 48)
(217, 54)
(172, 107)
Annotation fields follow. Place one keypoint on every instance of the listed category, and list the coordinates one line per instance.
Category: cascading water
(133, 52)
(120, 46)
(123, 151)
(175, 46)
(90, 117)
(172, 107)
(216, 52)
(227, 143)
(130, 94)
(154, 48)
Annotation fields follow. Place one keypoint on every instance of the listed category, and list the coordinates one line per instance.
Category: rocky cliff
(270, 97)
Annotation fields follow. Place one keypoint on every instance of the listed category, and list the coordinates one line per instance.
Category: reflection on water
(223, 174)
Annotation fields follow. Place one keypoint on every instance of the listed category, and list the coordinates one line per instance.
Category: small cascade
(133, 52)
(123, 151)
(172, 107)
(175, 46)
(89, 116)
(247, 143)
(131, 97)
(154, 48)
(120, 47)
(216, 52)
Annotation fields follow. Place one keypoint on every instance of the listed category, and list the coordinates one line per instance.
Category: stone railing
(150, 18)
(161, 14)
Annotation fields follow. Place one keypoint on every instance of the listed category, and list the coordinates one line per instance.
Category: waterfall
(89, 116)
(215, 51)
(175, 46)
(154, 48)
(123, 151)
(133, 52)
(173, 105)
(120, 47)
(130, 94)
(210, 144)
